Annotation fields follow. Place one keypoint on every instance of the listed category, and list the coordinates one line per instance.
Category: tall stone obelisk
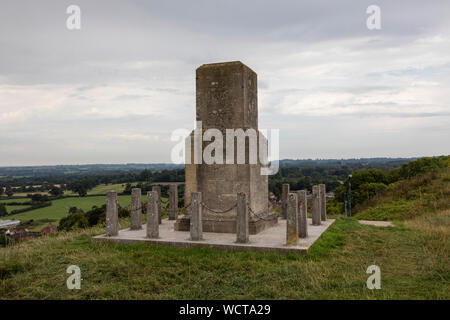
(227, 98)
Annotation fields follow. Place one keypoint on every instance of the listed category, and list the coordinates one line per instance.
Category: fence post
(173, 202)
(291, 220)
(302, 221)
(152, 215)
(242, 218)
(136, 209)
(323, 202)
(196, 226)
(112, 216)
(315, 206)
(284, 196)
(158, 189)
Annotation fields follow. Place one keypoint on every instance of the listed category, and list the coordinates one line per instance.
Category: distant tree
(73, 209)
(96, 215)
(82, 186)
(1, 190)
(73, 221)
(37, 197)
(9, 191)
(127, 189)
(3, 212)
(56, 192)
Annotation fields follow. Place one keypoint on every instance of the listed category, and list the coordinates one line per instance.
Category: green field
(14, 200)
(100, 189)
(60, 208)
(104, 188)
(11, 208)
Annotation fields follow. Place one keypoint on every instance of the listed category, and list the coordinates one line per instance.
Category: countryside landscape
(414, 196)
(212, 159)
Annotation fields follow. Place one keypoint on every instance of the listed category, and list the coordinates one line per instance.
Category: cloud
(114, 90)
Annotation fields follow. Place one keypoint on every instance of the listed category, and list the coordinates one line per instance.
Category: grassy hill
(409, 198)
(413, 259)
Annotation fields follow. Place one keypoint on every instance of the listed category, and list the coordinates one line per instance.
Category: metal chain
(217, 211)
(256, 215)
(252, 213)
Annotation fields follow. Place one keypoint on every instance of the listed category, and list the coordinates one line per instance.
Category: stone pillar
(112, 216)
(315, 206)
(136, 209)
(196, 216)
(284, 196)
(242, 218)
(152, 215)
(323, 202)
(291, 220)
(302, 214)
(158, 189)
(173, 202)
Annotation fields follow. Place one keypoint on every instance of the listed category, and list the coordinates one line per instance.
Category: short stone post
(158, 189)
(291, 220)
(112, 216)
(302, 221)
(136, 209)
(315, 206)
(173, 202)
(196, 226)
(152, 215)
(284, 196)
(323, 202)
(242, 218)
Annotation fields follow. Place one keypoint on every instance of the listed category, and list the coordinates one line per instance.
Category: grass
(413, 258)
(14, 200)
(104, 188)
(11, 208)
(410, 198)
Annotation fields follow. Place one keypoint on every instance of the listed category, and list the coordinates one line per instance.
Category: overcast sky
(114, 91)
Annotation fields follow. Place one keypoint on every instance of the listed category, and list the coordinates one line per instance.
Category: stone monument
(226, 98)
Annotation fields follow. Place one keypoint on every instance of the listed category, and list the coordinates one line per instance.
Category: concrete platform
(269, 240)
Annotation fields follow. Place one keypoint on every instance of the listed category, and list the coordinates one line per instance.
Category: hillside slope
(409, 198)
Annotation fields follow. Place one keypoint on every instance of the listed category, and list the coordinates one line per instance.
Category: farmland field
(14, 200)
(60, 208)
(104, 188)
(11, 208)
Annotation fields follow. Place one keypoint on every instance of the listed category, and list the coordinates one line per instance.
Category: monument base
(226, 224)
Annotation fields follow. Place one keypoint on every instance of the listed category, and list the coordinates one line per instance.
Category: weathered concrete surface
(284, 196)
(158, 189)
(291, 219)
(316, 212)
(227, 99)
(136, 209)
(112, 215)
(196, 217)
(302, 214)
(377, 223)
(323, 202)
(242, 235)
(270, 240)
(173, 202)
(152, 215)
